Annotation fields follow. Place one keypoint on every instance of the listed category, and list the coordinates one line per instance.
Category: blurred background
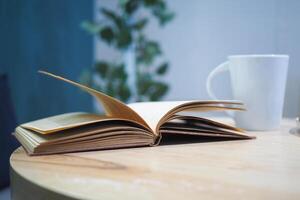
(173, 44)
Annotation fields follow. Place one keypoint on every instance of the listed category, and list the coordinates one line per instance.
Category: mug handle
(219, 69)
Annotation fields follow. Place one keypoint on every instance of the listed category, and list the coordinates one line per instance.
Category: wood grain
(265, 168)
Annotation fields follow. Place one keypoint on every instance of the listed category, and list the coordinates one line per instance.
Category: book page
(112, 107)
(71, 120)
(198, 126)
(64, 121)
(156, 113)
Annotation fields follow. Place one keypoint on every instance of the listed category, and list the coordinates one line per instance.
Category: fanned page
(68, 121)
(65, 121)
(113, 108)
(107, 134)
(157, 113)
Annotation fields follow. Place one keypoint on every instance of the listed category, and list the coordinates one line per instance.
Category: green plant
(123, 29)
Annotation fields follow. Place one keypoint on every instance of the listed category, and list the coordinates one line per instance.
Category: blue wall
(37, 34)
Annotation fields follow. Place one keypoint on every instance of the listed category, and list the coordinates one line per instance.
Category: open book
(131, 125)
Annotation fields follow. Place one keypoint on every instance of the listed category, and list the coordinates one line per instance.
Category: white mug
(259, 82)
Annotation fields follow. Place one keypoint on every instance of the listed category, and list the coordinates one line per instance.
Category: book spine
(156, 141)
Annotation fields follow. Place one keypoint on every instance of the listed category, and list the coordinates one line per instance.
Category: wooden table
(265, 168)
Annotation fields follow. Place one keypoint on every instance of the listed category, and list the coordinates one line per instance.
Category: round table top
(263, 168)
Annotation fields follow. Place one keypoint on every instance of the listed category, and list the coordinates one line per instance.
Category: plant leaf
(159, 89)
(131, 6)
(140, 24)
(160, 10)
(151, 2)
(111, 15)
(147, 52)
(124, 92)
(166, 17)
(144, 84)
(162, 69)
(90, 27)
(123, 38)
(107, 34)
(86, 78)
(119, 73)
(102, 68)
